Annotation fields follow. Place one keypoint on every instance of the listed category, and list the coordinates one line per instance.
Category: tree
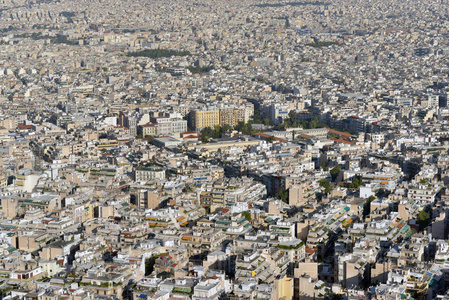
(323, 165)
(267, 122)
(218, 131)
(157, 53)
(356, 183)
(335, 171)
(256, 117)
(245, 128)
(271, 139)
(204, 139)
(149, 265)
(282, 194)
(280, 127)
(247, 215)
(313, 123)
(337, 297)
(326, 185)
(292, 120)
(367, 206)
(292, 115)
(424, 219)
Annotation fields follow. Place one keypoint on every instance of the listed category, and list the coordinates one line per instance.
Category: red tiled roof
(20, 126)
(344, 141)
(149, 125)
(267, 136)
(310, 250)
(305, 136)
(341, 133)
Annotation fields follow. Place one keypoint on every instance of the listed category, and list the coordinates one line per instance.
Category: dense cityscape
(206, 150)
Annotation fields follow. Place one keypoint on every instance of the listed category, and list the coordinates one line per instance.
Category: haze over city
(224, 150)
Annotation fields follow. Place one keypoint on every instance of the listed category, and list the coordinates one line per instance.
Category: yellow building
(148, 129)
(283, 288)
(10, 207)
(205, 118)
(229, 117)
(89, 209)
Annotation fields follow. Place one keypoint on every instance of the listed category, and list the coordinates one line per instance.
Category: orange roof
(20, 126)
(305, 136)
(267, 136)
(310, 250)
(149, 125)
(343, 141)
(339, 132)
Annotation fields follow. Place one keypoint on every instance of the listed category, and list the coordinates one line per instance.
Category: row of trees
(214, 133)
(58, 39)
(157, 53)
(199, 70)
(218, 131)
(319, 44)
(257, 118)
(292, 122)
(356, 183)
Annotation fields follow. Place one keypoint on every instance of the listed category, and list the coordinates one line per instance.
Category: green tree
(424, 219)
(247, 215)
(149, 264)
(356, 183)
(367, 206)
(257, 119)
(245, 128)
(337, 297)
(314, 123)
(157, 53)
(311, 124)
(204, 139)
(267, 122)
(326, 185)
(293, 116)
(282, 194)
(335, 171)
(323, 165)
(280, 127)
(271, 139)
(218, 131)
